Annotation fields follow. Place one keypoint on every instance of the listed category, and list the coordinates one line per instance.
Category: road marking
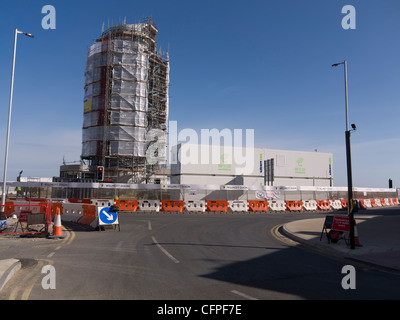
(243, 295)
(165, 251)
(277, 235)
(51, 254)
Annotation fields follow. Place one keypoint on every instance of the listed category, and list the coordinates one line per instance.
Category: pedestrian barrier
(365, 203)
(25, 217)
(217, 205)
(258, 205)
(127, 205)
(395, 201)
(294, 205)
(385, 202)
(378, 202)
(238, 205)
(172, 205)
(277, 205)
(149, 205)
(102, 202)
(344, 204)
(310, 205)
(373, 203)
(336, 204)
(323, 205)
(195, 205)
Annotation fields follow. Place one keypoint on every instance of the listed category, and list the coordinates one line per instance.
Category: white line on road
(165, 251)
(243, 295)
(50, 255)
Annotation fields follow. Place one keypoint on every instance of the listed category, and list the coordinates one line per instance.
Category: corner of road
(8, 267)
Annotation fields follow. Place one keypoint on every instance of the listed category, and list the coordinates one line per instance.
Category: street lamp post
(348, 159)
(3, 196)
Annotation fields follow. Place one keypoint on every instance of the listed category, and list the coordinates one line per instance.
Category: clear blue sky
(263, 65)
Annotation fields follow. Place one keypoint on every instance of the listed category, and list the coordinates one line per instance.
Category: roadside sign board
(341, 224)
(107, 217)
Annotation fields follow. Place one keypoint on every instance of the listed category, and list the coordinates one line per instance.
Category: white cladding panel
(290, 167)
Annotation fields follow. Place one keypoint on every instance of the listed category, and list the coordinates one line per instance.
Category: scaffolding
(126, 95)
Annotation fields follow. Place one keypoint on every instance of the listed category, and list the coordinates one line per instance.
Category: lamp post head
(26, 33)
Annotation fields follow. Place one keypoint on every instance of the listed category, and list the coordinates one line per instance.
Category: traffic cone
(57, 227)
(356, 239)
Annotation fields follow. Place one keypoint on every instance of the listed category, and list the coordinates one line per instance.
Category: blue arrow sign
(107, 217)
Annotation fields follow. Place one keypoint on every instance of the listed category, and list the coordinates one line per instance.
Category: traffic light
(100, 173)
(390, 183)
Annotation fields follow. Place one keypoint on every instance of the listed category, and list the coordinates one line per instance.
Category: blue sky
(262, 65)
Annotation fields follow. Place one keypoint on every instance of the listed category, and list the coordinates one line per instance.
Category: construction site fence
(188, 192)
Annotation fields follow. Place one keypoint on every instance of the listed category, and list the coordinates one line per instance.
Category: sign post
(108, 216)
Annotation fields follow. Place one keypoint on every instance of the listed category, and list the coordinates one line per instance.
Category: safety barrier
(294, 205)
(195, 205)
(277, 205)
(336, 204)
(149, 205)
(365, 203)
(258, 205)
(378, 202)
(126, 205)
(26, 215)
(395, 201)
(323, 205)
(102, 202)
(310, 205)
(238, 205)
(82, 213)
(217, 205)
(172, 206)
(344, 204)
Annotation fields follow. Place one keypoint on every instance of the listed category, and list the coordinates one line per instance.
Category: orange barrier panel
(373, 204)
(323, 205)
(395, 201)
(217, 205)
(294, 205)
(383, 202)
(127, 205)
(258, 205)
(89, 214)
(172, 205)
(9, 207)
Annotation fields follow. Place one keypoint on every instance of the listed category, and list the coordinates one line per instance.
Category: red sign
(23, 216)
(341, 224)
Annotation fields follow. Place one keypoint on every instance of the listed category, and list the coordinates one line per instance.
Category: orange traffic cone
(356, 239)
(57, 227)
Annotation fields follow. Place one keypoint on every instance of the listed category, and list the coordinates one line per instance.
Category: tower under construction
(126, 95)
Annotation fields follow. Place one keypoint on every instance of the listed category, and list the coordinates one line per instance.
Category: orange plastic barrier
(395, 201)
(217, 205)
(383, 202)
(323, 205)
(89, 214)
(127, 205)
(373, 204)
(172, 205)
(258, 205)
(294, 205)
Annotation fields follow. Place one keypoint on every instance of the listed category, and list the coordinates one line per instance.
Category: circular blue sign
(107, 217)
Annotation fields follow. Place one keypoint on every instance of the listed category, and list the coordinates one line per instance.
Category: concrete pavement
(378, 235)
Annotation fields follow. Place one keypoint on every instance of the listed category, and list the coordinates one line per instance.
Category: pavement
(378, 236)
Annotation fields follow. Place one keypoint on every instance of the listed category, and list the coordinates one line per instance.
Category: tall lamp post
(3, 196)
(348, 158)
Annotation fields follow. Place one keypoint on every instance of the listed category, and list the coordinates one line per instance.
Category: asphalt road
(186, 257)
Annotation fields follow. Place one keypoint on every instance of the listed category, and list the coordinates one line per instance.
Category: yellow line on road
(277, 235)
